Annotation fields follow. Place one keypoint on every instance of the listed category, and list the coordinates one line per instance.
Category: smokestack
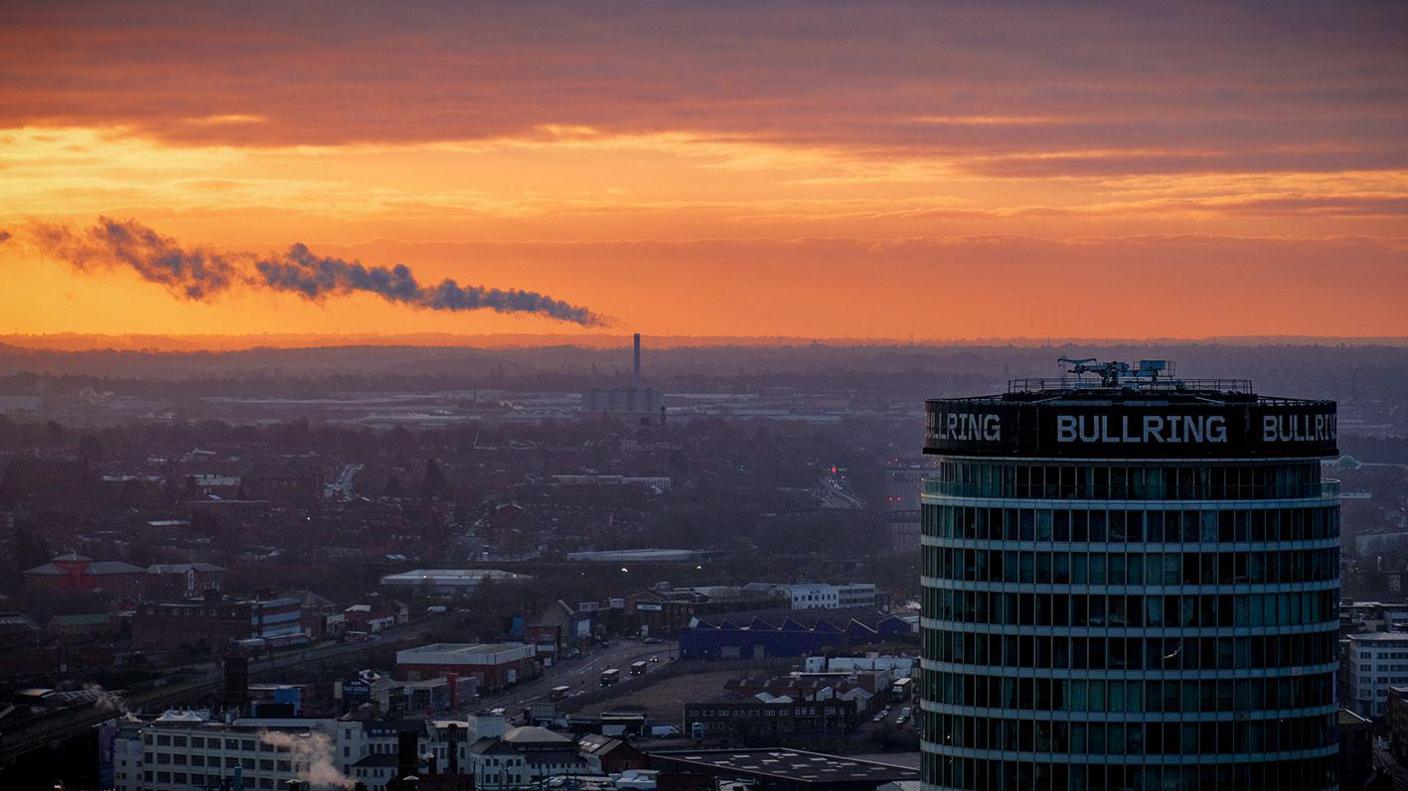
(453, 737)
(635, 380)
(407, 754)
(236, 682)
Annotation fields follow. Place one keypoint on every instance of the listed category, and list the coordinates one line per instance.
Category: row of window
(977, 774)
(1048, 653)
(197, 780)
(212, 742)
(1135, 696)
(1182, 526)
(1200, 480)
(1062, 567)
(1131, 738)
(181, 759)
(1139, 611)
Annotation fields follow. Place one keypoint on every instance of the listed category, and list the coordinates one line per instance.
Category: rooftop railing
(1065, 383)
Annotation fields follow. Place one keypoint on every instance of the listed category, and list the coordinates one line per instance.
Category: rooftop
(448, 575)
(795, 765)
(532, 734)
(639, 555)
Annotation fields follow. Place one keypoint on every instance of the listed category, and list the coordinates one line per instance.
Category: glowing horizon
(778, 170)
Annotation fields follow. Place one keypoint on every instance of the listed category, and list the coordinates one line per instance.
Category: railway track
(53, 728)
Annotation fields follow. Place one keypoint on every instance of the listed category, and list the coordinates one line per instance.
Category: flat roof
(793, 765)
(450, 575)
(464, 653)
(1380, 636)
(639, 555)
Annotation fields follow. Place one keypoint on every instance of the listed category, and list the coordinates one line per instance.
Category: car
(654, 659)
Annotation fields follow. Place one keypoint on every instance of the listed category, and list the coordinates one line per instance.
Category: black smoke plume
(200, 273)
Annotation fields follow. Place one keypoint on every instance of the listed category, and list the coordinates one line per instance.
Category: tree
(53, 432)
(90, 450)
(30, 550)
(434, 482)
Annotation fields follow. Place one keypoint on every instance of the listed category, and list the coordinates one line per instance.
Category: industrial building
(446, 582)
(642, 403)
(780, 633)
(496, 665)
(218, 622)
(1129, 581)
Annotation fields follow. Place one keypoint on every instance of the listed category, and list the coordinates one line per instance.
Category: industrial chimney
(635, 380)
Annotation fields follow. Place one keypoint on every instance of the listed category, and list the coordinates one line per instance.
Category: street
(582, 674)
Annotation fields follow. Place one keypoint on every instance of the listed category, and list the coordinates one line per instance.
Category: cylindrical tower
(1129, 583)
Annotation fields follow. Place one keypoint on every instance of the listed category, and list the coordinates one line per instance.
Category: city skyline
(897, 172)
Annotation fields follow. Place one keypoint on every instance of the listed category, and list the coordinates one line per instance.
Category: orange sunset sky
(929, 171)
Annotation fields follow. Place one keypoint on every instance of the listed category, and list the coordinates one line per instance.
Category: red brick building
(171, 625)
(74, 573)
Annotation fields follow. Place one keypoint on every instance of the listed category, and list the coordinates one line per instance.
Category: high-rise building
(1130, 582)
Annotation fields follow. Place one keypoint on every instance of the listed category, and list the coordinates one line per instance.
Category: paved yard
(664, 701)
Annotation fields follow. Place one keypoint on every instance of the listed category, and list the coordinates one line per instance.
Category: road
(581, 674)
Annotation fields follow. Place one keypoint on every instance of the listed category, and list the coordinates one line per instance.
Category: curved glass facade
(1143, 624)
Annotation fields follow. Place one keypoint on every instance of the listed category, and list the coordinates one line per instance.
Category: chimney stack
(452, 736)
(407, 754)
(236, 678)
(635, 380)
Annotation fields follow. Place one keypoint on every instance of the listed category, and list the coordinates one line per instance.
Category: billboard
(1133, 428)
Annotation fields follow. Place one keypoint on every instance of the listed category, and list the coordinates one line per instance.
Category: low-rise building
(855, 594)
(168, 581)
(770, 768)
(523, 758)
(446, 582)
(771, 718)
(75, 573)
(1356, 762)
(1398, 722)
(495, 665)
(216, 623)
(1377, 661)
(812, 596)
(184, 750)
(750, 635)
(610, 755)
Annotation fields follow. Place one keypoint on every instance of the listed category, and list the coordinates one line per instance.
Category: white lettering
(992, 428)
(1150, 429)
(968, 427)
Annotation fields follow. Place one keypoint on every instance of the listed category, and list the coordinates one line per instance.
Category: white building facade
(1376, 662)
